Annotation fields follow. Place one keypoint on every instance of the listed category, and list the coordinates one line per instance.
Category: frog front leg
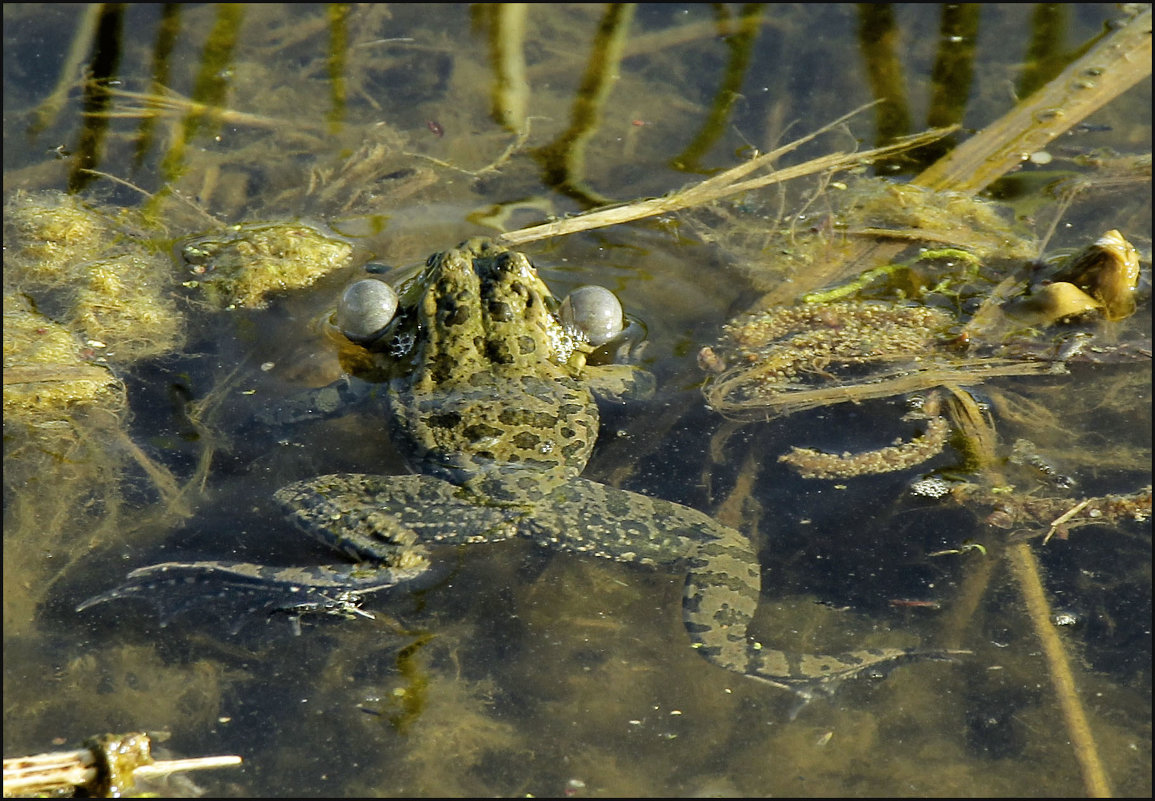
(388, 519)
(382, 522)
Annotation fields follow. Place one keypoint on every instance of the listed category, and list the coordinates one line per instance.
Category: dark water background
(521, 673)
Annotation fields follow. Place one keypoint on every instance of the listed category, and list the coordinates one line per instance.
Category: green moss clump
(121, 303)
(48, 233)
(46, 369)
(242, 265)
(108, 288)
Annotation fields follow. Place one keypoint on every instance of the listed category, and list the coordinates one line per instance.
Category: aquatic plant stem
(1113, 66)
(46, 113)
(978, 432)
(1026, 571)
(510, 97)
(563, 160)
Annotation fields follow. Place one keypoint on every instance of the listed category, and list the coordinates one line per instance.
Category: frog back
(536, 430)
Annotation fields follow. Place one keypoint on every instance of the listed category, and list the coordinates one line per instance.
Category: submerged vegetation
(994, 320)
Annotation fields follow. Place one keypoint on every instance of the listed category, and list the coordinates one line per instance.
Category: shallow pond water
(521, 672)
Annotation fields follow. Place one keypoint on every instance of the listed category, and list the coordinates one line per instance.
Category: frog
(492, 401)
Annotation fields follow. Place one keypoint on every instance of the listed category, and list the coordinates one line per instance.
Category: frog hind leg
(723, 584)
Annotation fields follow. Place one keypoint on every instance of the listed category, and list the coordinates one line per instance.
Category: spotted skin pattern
(491, 401)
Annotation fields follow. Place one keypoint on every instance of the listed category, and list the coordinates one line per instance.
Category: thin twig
(1063, 518)
(155, 104)
(979, 432)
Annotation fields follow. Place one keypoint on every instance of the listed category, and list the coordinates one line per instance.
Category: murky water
(522, 672)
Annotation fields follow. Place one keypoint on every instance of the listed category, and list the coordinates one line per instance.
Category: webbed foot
(811, 676)
(241, 592)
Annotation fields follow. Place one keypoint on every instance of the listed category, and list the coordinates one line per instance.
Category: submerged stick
(1025, 568)
(979, 434)
(105, 768)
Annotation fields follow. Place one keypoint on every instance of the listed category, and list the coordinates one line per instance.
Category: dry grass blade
(166, 767)
(721, 185)
(1110, 68)
(153, 104)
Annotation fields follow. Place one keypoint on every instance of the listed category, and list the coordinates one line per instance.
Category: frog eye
(594, 313)
(366, 307)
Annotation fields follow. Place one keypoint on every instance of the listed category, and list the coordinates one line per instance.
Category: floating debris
(941, 318)
(49, 233)
(122, 302)
(106, 767)
(772, 361)
(900, 456)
